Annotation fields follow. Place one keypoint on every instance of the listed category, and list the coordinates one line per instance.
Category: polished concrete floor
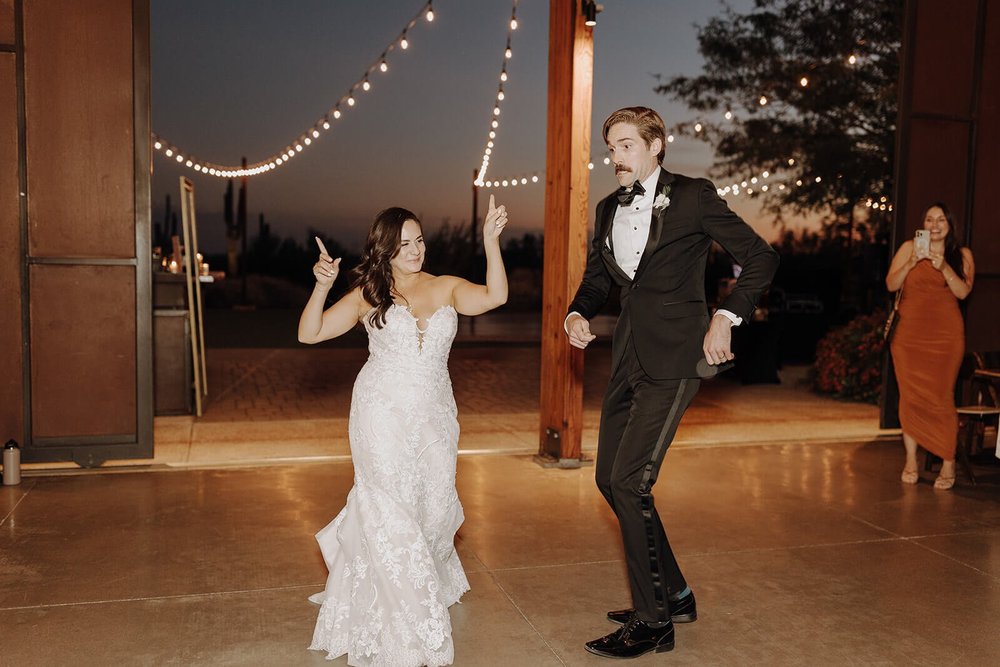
(800, 554)
(267, 405)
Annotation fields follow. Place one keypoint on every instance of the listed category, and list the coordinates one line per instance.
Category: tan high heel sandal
(944, 483)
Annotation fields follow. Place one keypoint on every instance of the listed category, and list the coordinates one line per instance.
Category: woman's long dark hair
(373, 274)
(952, 248)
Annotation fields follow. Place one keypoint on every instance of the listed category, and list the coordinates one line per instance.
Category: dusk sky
(233, 79)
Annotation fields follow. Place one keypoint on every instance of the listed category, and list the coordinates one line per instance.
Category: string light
(495, 123)
(306, 138)
(763, 181)
(510, 182)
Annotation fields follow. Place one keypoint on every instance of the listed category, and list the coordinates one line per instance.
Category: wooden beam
(567, 190)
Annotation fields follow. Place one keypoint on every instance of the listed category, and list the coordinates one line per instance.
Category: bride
(390, 552)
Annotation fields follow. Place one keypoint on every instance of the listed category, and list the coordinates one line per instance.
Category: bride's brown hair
(374, 273)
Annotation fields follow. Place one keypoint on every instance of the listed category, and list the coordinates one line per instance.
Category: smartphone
(922, 243)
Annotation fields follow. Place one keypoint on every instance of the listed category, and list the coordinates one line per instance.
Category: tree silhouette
(809, 88)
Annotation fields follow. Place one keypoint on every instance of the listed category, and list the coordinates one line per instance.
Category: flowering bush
(849, 359)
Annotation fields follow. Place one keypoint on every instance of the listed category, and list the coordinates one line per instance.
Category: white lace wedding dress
(390, 552)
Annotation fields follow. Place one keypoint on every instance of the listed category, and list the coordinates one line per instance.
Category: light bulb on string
(513, 23)
(804, 82)
(304, 139)
(763, 100)
(500, 95)
(508, 53)
(852, 59)
(404, 43)
(503, 75)
(729, 114)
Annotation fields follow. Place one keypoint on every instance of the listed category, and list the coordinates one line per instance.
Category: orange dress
(927, 349)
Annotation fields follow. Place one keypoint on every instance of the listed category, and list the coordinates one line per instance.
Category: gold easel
(192, 271)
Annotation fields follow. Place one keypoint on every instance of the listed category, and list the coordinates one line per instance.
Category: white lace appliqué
(391, 552)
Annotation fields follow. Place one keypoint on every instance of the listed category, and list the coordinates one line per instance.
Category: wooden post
(241, 221)
(567, 189)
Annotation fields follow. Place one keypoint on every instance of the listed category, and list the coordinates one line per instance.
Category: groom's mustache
(619, 170)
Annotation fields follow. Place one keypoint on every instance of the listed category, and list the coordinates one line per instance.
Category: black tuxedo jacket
(664, 308)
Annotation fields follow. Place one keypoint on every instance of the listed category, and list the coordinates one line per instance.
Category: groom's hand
(718, 340)
(578, 329)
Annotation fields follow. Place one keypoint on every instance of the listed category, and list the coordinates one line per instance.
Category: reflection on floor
(267, 404)
(799, 555)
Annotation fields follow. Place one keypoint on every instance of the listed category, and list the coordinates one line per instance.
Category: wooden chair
(973, 412)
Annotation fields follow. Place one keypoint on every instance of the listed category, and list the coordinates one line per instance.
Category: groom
(652, 239)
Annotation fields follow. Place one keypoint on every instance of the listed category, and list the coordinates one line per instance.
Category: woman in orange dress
(929, 340)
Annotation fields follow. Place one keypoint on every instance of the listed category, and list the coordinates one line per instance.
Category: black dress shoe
(681, 611)
(633, 639)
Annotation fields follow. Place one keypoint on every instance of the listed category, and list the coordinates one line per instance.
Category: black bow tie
(626, 195)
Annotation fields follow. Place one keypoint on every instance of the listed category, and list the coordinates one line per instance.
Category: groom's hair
(647, 122)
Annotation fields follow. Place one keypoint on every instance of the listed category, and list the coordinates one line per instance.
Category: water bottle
(11, 463)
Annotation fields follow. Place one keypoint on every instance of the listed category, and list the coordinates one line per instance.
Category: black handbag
(892, 319)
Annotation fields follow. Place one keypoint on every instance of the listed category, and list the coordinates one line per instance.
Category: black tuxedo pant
(638, 421)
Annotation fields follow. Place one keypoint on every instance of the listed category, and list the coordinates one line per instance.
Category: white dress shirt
(630, 228)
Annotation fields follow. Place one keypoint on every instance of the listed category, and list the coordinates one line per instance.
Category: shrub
(849, 359)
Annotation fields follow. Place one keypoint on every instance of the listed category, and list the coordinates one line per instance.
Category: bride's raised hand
(496, 220)
(327, 268)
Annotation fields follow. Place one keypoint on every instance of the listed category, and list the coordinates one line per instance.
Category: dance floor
(800, 554)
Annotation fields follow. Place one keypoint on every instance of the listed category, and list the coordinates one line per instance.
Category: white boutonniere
(662, 199)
